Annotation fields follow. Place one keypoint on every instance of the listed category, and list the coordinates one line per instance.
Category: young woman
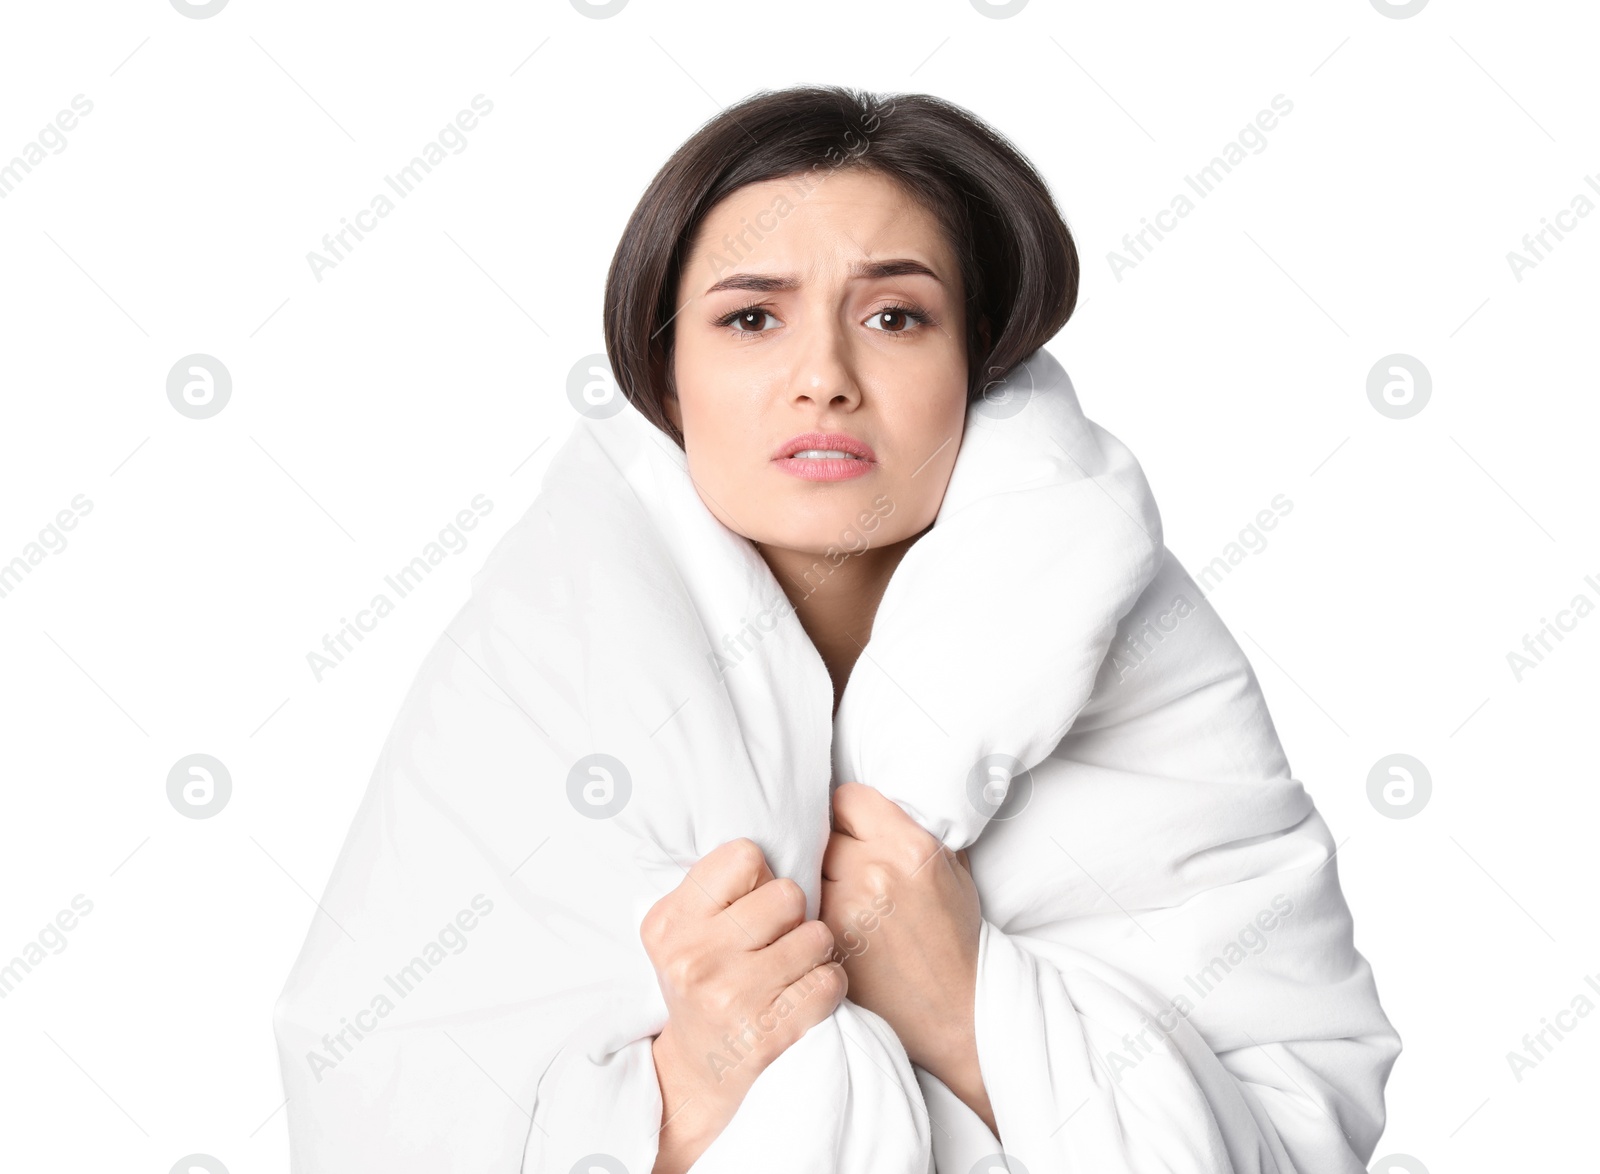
(841, 668)
(821, 363)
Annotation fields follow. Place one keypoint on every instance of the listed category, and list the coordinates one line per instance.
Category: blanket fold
(1167, 977)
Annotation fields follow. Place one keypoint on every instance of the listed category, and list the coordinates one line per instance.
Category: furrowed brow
(771, 283)
(898, 267)
(758, 282)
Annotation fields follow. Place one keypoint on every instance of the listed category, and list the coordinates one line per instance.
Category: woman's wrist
(956, 1066)
(688, 1121)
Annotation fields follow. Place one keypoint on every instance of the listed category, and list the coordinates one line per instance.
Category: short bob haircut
(1019, 267)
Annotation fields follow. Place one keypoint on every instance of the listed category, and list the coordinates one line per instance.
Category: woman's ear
(674, 411)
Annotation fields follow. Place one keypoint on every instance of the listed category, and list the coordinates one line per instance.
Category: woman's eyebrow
(769, 283)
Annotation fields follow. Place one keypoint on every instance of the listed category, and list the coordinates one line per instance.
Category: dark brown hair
(1019, 267)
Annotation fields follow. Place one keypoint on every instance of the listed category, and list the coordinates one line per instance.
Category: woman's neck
(836, 603)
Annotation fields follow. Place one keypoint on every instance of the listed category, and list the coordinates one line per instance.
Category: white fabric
(1152, 853)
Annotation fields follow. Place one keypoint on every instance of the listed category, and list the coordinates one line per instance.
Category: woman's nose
(825, 369)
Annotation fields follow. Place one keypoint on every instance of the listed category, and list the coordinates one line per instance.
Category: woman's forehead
(839, 227)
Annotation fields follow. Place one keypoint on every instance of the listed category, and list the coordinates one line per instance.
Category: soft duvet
(1167, 978)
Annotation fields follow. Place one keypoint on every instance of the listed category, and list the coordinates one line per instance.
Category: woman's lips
(846, 456)
(825, 468)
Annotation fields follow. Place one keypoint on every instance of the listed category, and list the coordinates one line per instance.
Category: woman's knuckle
(652, 928)
(877, 878)
(794, 896)
(678, 971)
(830, 980)
(823, 935)
(720, 1000)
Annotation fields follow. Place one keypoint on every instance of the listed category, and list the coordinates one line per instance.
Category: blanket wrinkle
(1167, 977)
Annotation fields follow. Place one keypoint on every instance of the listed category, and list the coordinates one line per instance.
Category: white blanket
(1166, 979)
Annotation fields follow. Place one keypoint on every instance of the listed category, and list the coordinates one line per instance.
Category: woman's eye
(896, 319)
(748, 320)
(889, 320)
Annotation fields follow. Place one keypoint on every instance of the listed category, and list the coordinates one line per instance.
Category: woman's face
(839, 312)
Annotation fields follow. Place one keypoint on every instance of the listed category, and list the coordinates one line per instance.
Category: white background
(372, 405)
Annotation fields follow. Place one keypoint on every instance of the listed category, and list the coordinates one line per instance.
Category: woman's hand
(904, 911)
(744, 976)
